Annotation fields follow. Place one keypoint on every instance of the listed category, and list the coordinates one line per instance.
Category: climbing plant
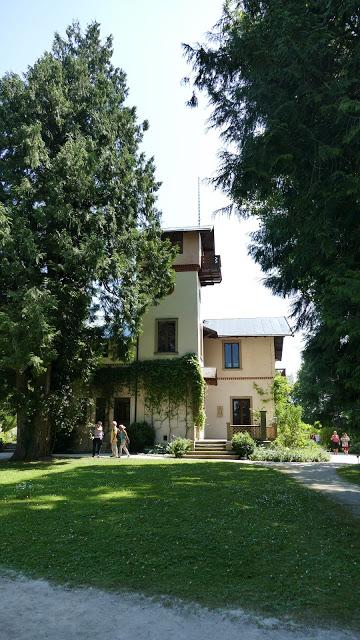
(167, 385)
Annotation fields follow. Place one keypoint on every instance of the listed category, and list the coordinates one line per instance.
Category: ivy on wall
(167, 385)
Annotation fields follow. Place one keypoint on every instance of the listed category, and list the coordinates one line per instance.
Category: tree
(325, 386)
(291, 430)
(283, 80)
(80, 238)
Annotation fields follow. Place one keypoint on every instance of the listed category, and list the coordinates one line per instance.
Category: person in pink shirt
(335, 442)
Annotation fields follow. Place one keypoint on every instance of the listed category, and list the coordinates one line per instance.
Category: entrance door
(241, 411)
(122, 411)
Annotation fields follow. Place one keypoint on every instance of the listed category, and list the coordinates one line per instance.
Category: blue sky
(147, 46)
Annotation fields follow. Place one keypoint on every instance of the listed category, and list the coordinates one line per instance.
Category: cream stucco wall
(257, 368)
(191, 249)
(183, 305)
(257, 356)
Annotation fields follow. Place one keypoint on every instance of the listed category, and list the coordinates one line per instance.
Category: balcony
(210, 271)
(256, 431)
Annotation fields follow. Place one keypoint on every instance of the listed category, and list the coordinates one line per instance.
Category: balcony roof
(206, 232)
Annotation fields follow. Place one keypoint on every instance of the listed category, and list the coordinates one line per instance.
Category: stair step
(212, 456)
(212, 441)
(208, 447)
(203, 452)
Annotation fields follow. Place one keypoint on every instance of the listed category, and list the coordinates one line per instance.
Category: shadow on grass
(218, 534)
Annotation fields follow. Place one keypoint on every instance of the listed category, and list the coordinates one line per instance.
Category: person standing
(97, 438)
(123, 440)
(335, 442)
(345, 443)
(113, 440)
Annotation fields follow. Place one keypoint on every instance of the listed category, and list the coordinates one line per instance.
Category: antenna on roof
(199, 201)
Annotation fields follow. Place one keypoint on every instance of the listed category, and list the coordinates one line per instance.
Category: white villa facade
(237, 356)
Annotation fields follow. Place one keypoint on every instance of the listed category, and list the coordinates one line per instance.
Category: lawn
(350, 473)
(216, 533)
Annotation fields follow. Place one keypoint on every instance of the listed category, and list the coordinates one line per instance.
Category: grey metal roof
(202, 228)
(241, 327)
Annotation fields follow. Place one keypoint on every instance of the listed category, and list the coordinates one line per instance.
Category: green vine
(167, 384)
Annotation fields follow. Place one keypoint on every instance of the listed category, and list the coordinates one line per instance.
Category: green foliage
(160, 448)
(7, 419)
(179, 447)
(276, 453)
(142, 436)
(167, 384)
(291, 431)
(327, 383)
(355, 448)
(243, 444)
(282, 78)
(80, 240)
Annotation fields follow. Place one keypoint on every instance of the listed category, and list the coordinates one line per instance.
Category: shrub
(355, 449)
(142, 436)
(160, 448)
(243, 444)
(311, 453)
(179, 447)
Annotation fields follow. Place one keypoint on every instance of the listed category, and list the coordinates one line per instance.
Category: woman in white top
(345, 443)
(97, 437)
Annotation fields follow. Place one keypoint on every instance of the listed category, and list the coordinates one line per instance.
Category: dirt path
(35, 610)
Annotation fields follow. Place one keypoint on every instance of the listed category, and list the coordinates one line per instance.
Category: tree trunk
(34, 431)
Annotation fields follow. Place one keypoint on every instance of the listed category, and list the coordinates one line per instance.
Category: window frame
(231, 342)
(157, 324)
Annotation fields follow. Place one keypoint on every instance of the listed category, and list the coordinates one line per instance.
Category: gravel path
(322, 476)
(35, 610)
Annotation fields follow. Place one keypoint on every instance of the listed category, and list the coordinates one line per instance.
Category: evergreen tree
(283, 80)
(80, 238)
(327, 382)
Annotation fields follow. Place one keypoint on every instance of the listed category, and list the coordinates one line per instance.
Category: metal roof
(241, 327)
(202, 228)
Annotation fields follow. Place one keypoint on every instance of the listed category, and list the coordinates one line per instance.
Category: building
(237, 356)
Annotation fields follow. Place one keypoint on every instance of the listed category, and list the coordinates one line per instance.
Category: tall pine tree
(80, 238)
(283, 78)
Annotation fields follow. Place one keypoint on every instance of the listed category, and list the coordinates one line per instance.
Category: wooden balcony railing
(210, 272)
(256, 431)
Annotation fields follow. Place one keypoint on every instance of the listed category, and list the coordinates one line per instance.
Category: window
(176, 238)
(231, 355)
(166, 336)
(241, 411)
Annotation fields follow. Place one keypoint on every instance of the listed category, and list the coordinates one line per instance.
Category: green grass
(215, 533)
(350, 473)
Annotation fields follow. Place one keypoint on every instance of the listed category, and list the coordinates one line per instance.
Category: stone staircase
(211, 450)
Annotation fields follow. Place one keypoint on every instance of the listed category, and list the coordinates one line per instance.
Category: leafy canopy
(282, 77)
(80, 237)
